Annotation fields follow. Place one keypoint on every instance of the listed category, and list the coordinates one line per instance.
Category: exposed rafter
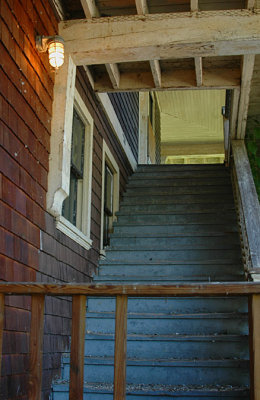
(246, 78)
(89, 75)
(90, 8)
(91, 11)
(176, 79)
(156, 72)
(114, 74)
(138, 38)
(198, 70)
(141, 7)
(194, 5)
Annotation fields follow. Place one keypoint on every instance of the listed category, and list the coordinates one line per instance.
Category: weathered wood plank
(250, 4)
(143, 127)
(247, 74)
(77, 347)
(203, 289)
(36, 347)
(255, 331)
(156, 71)
(120, 348)
(2, 307)
(162, 36)
(234, 112)
(226, 140)
(250, 203)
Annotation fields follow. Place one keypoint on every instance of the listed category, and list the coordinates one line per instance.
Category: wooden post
(120, 348)
(255, 340)
(77, 347)
(143, 127)
(36, 346)
(2, 307)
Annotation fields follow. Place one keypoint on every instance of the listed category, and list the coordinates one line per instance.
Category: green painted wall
(253, 148)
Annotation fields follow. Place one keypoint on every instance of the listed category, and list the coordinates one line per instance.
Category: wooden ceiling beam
(246, 78)
(162, 36)
(177, 79)
(198, 70)
(141, 7)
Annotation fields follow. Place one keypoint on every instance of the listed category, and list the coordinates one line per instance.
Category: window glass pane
(108, 190)
(78, 140)
(69, 208)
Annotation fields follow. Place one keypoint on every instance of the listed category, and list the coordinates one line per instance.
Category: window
(75, 216)
(110, 194)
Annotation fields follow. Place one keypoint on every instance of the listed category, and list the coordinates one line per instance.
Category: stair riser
(177, 182)
(174, 349)
(172, 305)
(172, 325)
(181, 199)
(193, 272)
(179, 175)
(143, 168)
(178, 243)
(164, 375)
(177, 229)
(199, 219)
(64, 395)
(226, 189)
(174, 208)
(206, 256)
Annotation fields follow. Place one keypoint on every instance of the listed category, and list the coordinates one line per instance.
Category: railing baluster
(36, 347)
(120, 348)
(2, 308)
(77, 347)
(255, 340)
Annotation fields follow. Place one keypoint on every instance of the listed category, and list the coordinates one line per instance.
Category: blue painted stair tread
(176, 224)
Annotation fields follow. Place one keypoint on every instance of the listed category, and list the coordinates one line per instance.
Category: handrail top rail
(135, 290)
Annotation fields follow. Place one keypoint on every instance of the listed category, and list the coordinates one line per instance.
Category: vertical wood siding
(31, 247)
(126, 105)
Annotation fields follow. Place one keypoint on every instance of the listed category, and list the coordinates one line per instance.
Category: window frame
(108, 158)
(81, 234)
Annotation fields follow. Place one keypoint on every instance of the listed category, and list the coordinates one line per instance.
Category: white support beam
(198, 70)
(141, 7)
(156, 71)
(162, 36)
(114, 75)
(246, 78)
(90, 8)
(234, 112)
(194, 5)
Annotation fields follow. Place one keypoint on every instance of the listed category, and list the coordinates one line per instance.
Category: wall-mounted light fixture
(55, 47)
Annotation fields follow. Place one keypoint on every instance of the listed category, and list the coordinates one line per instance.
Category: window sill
(73, 232)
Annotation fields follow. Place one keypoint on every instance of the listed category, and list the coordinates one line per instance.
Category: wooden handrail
(191, 289)
(79, 292)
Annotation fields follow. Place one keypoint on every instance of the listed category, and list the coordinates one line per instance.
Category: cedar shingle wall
(26, 86)
(32, 249)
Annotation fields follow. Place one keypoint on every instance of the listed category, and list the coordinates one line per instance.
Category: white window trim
(65, 98)
(108, 157)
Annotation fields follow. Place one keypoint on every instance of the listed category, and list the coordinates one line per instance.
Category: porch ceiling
(166, 44)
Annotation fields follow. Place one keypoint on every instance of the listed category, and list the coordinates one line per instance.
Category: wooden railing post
(77, 347)
(255, 342)
(36, 346)
(2, 307)
(120, 347)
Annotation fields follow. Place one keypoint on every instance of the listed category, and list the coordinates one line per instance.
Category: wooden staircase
(176, 224)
